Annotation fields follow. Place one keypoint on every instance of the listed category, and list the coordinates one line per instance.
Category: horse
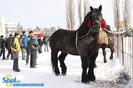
(83, 42)
(110, 44)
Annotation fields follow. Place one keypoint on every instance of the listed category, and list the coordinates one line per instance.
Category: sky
(46, 13)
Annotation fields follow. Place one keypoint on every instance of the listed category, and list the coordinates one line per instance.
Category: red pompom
(103, 24)
(89, 24)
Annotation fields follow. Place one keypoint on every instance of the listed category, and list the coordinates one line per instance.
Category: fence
(125, 52)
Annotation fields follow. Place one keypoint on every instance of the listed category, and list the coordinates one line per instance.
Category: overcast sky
(46, 13)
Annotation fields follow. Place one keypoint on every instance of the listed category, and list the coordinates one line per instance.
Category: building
(7, 27)
(11, 27)
(2, 26)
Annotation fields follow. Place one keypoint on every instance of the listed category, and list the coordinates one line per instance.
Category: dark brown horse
(110, 44)
(84, 42)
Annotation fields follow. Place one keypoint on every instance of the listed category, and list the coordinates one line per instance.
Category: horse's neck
(82, 30)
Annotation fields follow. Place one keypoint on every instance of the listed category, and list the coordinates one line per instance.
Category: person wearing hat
(15, 47)
(8, 47)
(33, 50)
(26, 40)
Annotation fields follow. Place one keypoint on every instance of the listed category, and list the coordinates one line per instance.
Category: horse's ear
(91, 8)
(100, 8)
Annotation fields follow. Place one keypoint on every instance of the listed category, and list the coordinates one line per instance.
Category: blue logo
(12, 81)
(9, 80)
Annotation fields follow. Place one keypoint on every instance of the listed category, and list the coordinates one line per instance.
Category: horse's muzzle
(95, 29)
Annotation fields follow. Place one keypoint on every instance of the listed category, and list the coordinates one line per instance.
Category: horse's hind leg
(62, 63)
(104, 55)
(112, 51)
(54, 61)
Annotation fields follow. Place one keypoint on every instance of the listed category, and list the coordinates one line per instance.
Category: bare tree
(70, 10)
(116, 9)
(86, 7)
(116, 13)
(80, 11)
(127, 13)
(19, 28)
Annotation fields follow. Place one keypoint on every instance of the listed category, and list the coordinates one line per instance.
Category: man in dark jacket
(26, 40)
(2, 46)
(8, 46)
(32, 44)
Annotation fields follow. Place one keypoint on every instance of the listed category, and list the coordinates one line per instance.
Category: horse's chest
(89, 44)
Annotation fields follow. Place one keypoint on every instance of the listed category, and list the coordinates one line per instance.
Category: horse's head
(96, 19)
(92, 21)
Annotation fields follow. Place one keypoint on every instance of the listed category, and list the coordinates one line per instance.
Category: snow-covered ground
(108, 75)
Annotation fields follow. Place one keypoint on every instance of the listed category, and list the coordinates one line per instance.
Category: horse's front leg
(84, 69)
(92, 59)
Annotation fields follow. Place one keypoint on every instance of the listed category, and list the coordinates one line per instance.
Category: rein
(76, 42)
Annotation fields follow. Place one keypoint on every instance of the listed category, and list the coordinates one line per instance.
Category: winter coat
(26, 40)
(2, 43)
(32, 45)
(22, 43)
(40, 42)
(15, 45)
(46, 39)
(8, 43)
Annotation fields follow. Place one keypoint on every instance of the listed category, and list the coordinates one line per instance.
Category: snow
(108, 75)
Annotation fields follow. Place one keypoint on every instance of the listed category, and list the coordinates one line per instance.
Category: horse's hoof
(57, 74)
(64, 74)
(85, 82)
(93, 80)
(105, 61)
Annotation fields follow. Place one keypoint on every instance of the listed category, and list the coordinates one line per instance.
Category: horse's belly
(72, 51)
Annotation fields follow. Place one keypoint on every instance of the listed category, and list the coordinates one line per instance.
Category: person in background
(26, 40)
(2, 46)
(23, 49)
(32, 44)
(15, 47)
(23, 33)
(45, 41)
(8, 47)
(40, 42)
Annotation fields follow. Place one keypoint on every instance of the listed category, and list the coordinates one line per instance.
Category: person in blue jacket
(26, 40)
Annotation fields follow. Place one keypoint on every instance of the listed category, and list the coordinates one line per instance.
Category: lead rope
(76, 42)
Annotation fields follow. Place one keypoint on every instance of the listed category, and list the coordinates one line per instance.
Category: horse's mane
(83, 29)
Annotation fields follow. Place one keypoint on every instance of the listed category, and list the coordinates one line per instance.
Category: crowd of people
(29, 45)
